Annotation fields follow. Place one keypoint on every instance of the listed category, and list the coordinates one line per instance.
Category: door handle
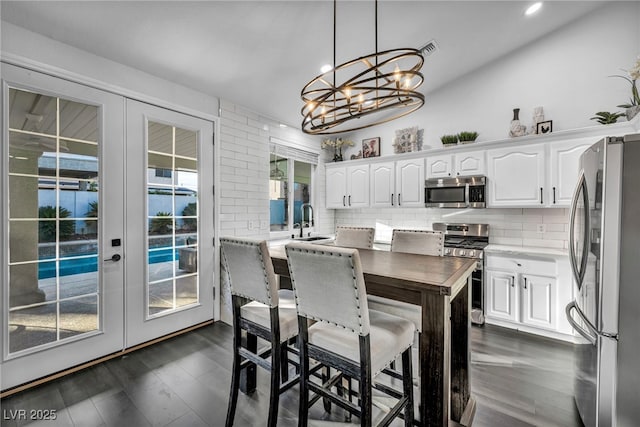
(590, 333)
(114, 258)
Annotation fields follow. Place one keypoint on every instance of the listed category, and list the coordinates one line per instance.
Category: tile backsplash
(518, 227)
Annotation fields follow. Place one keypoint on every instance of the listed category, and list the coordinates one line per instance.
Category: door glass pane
(53, 219)
(278, 193)
(172, 217)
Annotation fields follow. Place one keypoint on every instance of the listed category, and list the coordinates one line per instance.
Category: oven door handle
(467, 203)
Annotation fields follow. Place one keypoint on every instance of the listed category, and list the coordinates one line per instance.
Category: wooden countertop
(442, 275)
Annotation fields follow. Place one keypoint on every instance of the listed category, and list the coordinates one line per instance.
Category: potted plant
(606, 118)
(467, 137)
(633, 107)
(449, 139)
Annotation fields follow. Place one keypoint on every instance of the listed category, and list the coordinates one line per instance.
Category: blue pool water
(47, 270)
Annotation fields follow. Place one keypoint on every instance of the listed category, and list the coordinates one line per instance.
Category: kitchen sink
(311, 239)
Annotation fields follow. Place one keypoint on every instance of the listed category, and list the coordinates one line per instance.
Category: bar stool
(355, 237)
(421, 242)
(329, 288)
(271, 315)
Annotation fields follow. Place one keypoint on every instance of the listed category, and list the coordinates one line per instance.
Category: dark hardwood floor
(517, 380)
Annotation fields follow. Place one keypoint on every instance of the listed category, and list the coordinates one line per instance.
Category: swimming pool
(88, 264)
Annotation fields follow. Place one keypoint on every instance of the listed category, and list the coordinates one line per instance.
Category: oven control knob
(462, 253)
(447, 251)
(472, 254)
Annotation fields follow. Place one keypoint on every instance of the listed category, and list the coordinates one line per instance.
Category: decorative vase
(516, 129)
(632, 112)
(337, 154)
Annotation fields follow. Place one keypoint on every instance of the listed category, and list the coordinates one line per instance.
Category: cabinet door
(410, 183)
(471, 163)
(358, 186)
(501, 295)
(564, 169)
(383, 185)
(336, 180)
(516, 176)
(440, 166)
(538, 301)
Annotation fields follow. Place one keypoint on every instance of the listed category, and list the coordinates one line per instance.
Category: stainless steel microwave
(459, 192)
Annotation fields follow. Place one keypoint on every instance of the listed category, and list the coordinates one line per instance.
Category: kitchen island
(440, 286)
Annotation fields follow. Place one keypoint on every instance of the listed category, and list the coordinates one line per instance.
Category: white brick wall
(244, 172)
(517, 227)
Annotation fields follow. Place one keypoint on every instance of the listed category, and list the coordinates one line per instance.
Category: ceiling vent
(429, 49)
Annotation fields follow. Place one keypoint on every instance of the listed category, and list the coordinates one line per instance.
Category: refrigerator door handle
(592, 334)
(578, 272)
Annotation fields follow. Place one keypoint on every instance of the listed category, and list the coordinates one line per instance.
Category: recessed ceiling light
(326, 68)
(533, 8)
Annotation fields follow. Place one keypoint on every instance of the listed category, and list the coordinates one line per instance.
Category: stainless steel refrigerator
(604, 246)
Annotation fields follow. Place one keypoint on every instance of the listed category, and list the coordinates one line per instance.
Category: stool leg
(248, 374)
(235, 371)
(275, 388)
(326, 375)
(303, 406)
(407, 385)
(284, 361)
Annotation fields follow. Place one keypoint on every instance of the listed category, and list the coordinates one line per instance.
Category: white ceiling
(260, 54)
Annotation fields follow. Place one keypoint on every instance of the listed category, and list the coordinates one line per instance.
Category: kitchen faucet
(310, 223)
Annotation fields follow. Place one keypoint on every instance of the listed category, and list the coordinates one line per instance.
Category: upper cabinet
(516, 176)
(564, 169)
(398, 183)
(452, 165)
(347, 187)
(542, 175)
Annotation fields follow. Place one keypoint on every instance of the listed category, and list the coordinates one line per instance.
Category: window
(163, 173)
(290, 188)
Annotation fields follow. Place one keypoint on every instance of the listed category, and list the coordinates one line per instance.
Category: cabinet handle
(541, 197)
(392, 197)
(554, 195)
(399, 200)
(512, 281)
(349, 199)
(344, 203)
(525, 283)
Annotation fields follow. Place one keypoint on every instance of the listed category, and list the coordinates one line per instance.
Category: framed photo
(544, 127)
(371, 147)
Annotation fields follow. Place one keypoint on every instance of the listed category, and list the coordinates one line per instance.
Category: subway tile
(556, 244)
(232, 116)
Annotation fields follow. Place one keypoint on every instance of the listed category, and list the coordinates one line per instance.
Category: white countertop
(526, 250)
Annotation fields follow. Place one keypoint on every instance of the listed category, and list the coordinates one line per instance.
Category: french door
(169, 222)
(62, 213)
(107, 230)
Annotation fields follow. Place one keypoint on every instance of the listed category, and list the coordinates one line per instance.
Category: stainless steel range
(469, 241)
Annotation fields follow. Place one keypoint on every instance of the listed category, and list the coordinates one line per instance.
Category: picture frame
(408, 140)
(371, 147)
(544, 127)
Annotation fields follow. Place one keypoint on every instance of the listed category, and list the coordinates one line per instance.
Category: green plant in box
(449, 139)
(467, 136)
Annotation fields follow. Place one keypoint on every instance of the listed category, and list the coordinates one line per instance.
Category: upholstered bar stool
(421, 242)
(329, 288)
(270, 315)
(355, 237)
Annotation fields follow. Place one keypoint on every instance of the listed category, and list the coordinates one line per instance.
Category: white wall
(565, 72)
(48, 55)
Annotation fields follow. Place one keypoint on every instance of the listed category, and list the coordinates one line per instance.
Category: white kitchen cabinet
(452, 165)
(347, 187)
(523, 292)
(398, 183)
(500, 295)
(336, 187)
(563, 169)
(539, 296)
(516, 176)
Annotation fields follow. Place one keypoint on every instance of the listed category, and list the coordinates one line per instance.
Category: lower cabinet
(528, 293)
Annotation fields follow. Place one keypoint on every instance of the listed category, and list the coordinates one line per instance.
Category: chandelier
(374, 89)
